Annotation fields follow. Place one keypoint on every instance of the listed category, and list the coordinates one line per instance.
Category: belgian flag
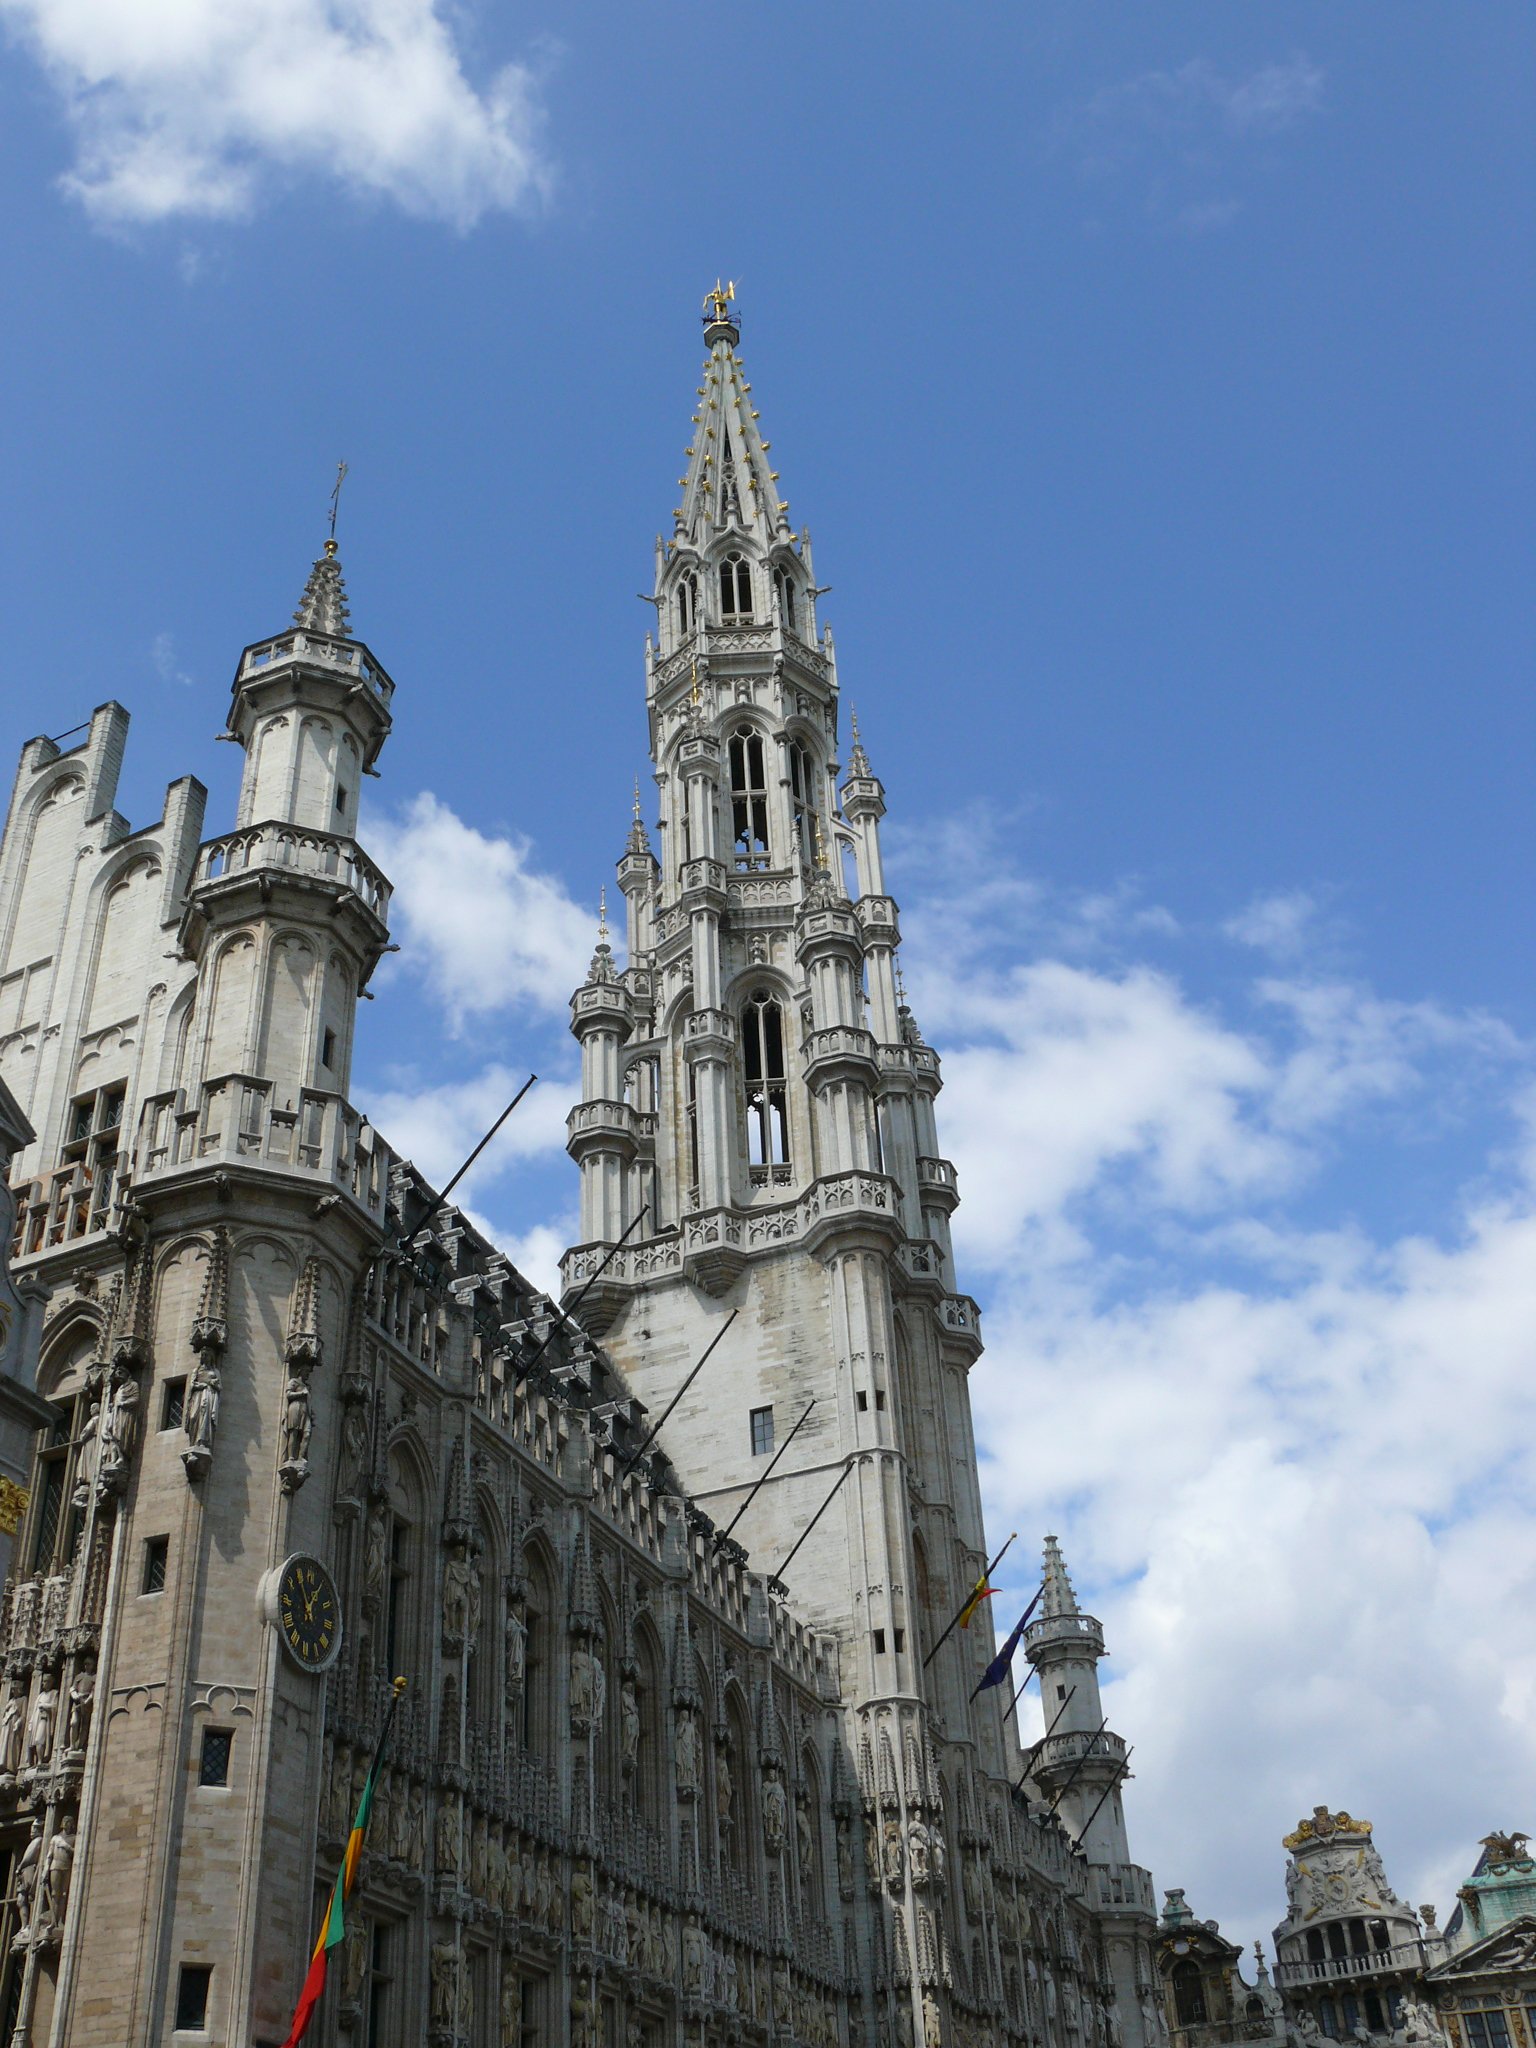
(334, 1926)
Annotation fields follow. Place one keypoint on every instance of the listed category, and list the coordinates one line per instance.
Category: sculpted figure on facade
(461, 1590)
(775, 1811)
(725, 1789)
(584, 1670)
(200, 1417)
(933, 2026)
(893, 1860)
(581, 1904)
(352, 1471)
(918, 1842)
(448, 1849)
(297, 1428)
(629, 1723)
(445, 1990)
(844, 1857)
(376, 1557)
(119, 1434)
(45, 1710)
(13, 1719)
(24, 1884)
(82, 1700)
(695, 1950)
(515, 1647)
(687, 1755)
(805, 1843)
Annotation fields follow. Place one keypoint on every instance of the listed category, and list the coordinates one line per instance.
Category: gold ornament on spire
(719, 298)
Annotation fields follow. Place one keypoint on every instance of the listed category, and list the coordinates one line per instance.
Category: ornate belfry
(757, 1140)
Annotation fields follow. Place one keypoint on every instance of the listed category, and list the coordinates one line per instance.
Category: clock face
(308, 1613)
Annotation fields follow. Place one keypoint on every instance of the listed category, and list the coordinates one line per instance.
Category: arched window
(735, 588)
(687, 604)
(1188, 1993)
(802, 791)
(762, 1055)
(784, 591)
(749, 798)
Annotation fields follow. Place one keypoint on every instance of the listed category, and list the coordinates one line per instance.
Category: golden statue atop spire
(716, 301)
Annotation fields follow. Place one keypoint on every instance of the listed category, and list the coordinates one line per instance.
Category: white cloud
(1292, 1456)
(1198, 95)
(163, 654)
(436, 1128)
(188, 108)
(483, 927)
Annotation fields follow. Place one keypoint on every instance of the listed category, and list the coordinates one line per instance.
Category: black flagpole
(984, 1580)
(635, 1456)
(810, 1525)
(1072, 1774)
(567, 1315)
(442, 1200)
(1118, 1779)
(783, 1447)
(1029, 1761)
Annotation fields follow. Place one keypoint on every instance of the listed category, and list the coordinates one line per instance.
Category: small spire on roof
(323, 607)
(637, 842)
(1059, 1597)
(859, 762)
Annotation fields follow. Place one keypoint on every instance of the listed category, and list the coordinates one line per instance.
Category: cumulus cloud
(191, 110)
(1288, 1446)
(476, 920)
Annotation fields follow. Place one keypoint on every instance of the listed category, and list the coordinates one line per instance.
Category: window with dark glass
(749, 798)
(735, 588)
(157, 1550)
(91, 1147)
(173, 1404)
(377, 2032)
(687, 604)
(762, 1053)
(1188, 1994)
(53, 1530)
(693, 1133)
(399, 1589)
(1487, 2029)
(784, 591)
(192, 1998)
(762, 1432)
(802, 794)
(213, 1763)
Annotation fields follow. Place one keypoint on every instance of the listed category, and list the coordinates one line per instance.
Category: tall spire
(323, 607)
(637, 841)
(1059, 1597)
(728, 481)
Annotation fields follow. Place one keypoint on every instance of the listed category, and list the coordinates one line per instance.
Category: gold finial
(693, 694)
(399, 1687)
(821, 845)
(718, 299)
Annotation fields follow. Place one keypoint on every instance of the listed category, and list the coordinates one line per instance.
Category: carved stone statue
(695, 1950)
(516, 1644)
(446, 1839)
(353, 1474)
(88, 1457)
(687, 1755)
(459, 1575)
(845, 1864)
(119, 1432)
(200, 1418)
(354, 1962)
(871, 1854)
(725, 1789)
(805, 1844)
(13, 1718)
(933, 2027)
(581, 1905)
(511, 2005)
(45, 1710)
(416, 1849)
(775, 1812)
(25, 1883)
(893, 1860)
(376, 1557)
(583, 1688)
(629, 1724)
(917, 1850)
(445, 1990)
(298, 1420)
(82, 1698)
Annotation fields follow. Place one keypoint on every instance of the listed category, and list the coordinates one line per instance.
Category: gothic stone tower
(757, 1136)
(200, 1199)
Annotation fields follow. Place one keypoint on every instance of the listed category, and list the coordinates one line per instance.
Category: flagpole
(635, 1456)
(1118, 1779)
(1072, 1774)
(810, 1525)
(1029, 1761)
(783, 1447)
(1010, 1645)
(955, 1623)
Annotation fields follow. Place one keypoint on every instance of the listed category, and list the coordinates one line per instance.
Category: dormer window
(784, 591)
(687, 604)
(735, 588)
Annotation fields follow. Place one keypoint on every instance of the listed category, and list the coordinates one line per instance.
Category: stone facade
(651, 1782)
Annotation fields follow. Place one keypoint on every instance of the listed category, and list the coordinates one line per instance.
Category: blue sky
(1156, 385)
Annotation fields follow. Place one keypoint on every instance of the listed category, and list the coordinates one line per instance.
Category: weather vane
(720, 298)
(341, 477)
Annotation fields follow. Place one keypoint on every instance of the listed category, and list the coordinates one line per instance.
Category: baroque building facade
(683, 1757)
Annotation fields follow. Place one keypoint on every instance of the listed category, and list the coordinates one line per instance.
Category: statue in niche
(629, 1724)
(581, 1905)
(844, 1862)
(446, 1838)
(45, 1710)
(13, 1720)
(917, 1850)
(376, 1557)
(416, 1855)
(24, 1885)
(511, 2004)
(933, 2028)
(804, 1841)
(119, 1433)
(400, 1822)
(725, 1789)
(459, 1602)
(445, 1990)
(904, 2028)
(775, 1811)
(88, 1457)
(871, 1855)
(200, 1418)
(82, 1699)
(893, 1858)
(687, 1755)
(479, 1849)
(298, 1421)
(583, 1688)
(353, 1476)
(516, 1645)
(354, 1962)
(694, 1957)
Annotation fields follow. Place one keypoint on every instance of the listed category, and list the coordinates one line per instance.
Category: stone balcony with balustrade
(347, 658)
(1403, 1958)
(277, 850)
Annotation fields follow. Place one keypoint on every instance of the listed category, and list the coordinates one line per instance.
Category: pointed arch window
(687, 603)
(749, 798)
(763, 1075)
(784, 591)
(802, 792)
(735, 588)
